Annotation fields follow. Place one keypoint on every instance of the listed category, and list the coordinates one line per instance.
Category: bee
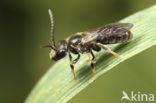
(89, 41)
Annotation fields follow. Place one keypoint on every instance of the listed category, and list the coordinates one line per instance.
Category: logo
(137, 96)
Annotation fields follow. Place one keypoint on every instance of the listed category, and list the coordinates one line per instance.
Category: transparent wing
(114, 28)
(107, 31)
(122, 25)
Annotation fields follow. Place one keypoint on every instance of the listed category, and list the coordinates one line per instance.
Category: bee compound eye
(58, 55)
(61, 54)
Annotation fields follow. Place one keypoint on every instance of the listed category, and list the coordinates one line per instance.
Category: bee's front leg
(92, 65)
(76, 60)
(72, 66)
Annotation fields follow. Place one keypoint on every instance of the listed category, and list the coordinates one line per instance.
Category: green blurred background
(25, 25)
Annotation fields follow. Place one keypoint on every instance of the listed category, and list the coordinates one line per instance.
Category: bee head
(59, 51)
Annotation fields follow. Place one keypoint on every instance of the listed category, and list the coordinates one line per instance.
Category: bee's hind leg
(110, 51)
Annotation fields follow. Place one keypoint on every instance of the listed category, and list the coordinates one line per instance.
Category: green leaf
(58, 85)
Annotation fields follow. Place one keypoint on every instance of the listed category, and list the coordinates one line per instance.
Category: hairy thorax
(75, 44)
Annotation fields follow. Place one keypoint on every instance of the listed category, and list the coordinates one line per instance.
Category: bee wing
(122, 25)
(114, 28)
(106, 31)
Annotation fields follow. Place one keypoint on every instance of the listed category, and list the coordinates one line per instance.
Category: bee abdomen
(116, 38)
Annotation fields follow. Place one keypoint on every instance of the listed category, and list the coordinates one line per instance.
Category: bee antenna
(52, 27)
(47, 46)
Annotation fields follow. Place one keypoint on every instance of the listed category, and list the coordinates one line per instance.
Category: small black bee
(87, 42)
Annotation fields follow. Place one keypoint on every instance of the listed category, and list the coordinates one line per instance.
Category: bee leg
(76, 60)
(110, 51)
(89, 57)
(72, 66)
(92, 65)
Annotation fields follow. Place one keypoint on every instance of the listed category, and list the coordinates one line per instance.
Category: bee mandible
(89, 41)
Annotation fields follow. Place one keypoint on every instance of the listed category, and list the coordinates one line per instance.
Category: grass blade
(58, 86)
